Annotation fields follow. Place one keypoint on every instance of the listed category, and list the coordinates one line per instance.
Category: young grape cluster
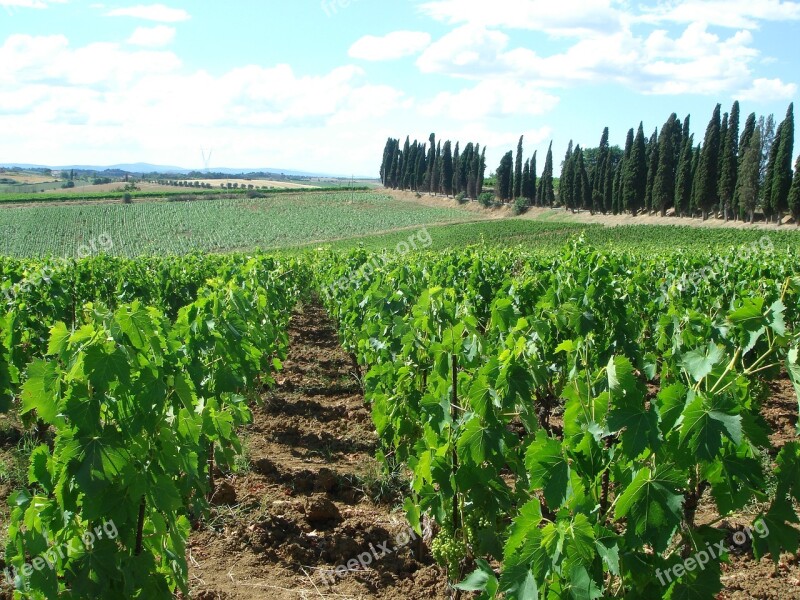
(448, 551)
(475, 522)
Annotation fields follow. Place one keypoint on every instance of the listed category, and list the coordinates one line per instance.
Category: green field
(212, 225)
(298, 220)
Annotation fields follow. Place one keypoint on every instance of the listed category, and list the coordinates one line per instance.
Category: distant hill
(140, 168)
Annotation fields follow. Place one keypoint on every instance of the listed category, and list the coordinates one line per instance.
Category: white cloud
(389, 47)
(111, 103)
(151, 12)
(30, 3)
(492, 99)
(768, 90)
(152, 37)
(469, 51)
(696, 61)
(735, 14)
(580, 18)
(566, 17)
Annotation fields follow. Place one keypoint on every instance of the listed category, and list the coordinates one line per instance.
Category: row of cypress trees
(729, 175)
(517, 180)
(434, 167)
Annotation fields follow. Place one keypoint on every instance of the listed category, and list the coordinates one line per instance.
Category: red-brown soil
(304, 508)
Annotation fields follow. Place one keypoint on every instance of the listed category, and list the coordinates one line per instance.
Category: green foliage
(470, 352)
(486, 199)
(520, 206)
(137, 403)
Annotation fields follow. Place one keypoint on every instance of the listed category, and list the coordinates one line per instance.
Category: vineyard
(209, 225)
(580, 420)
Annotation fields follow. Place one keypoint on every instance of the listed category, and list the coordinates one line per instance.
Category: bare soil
(561, 215)
(305, 507)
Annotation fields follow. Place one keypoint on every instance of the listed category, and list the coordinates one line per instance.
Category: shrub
(486, 199)
(127, 198)
(520, 205)
(462, 198)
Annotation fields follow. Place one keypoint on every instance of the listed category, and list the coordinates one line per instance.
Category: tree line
(434, 167)
(732, 174)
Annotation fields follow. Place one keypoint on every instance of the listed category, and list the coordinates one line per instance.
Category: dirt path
(561, 215)
(306, 505)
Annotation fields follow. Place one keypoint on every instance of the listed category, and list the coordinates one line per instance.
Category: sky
(319, 85)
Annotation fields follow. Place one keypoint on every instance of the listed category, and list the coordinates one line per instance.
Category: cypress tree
(518, 170)
(583, 191)
(616, 199)
(683, 183)
(744, 142)
(794, 193)
(782, 172)
(706, 179)
(388, 149)
(505, 177)
(431, 163)
(664, 182)
(626, 158)
(635, 175)
(405, 168)
(767, 130)
(420, 169)
(436, 179)
(525, 192)
(730, 163)
(534, 196)
(481, 172)
(653, 153)
(608, 188)
(723, 136)
(599, 173)
(466, 165)
(472, 182)
(456, 171)
(769, 176)
(447, 169)
(546, 192)
(567, 179)
(748, 185)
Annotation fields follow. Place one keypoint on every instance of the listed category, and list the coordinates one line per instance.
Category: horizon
(166, 84)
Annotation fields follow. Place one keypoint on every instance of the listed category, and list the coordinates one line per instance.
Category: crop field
(527, 409)
(270, 183)
(623, 410)
(211, 225)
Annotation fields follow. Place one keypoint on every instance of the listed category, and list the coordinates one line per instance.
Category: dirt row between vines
(306, 505)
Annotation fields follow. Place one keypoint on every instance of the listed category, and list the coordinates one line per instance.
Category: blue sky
(319, 85)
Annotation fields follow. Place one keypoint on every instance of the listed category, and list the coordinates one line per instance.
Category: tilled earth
(306, 505)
